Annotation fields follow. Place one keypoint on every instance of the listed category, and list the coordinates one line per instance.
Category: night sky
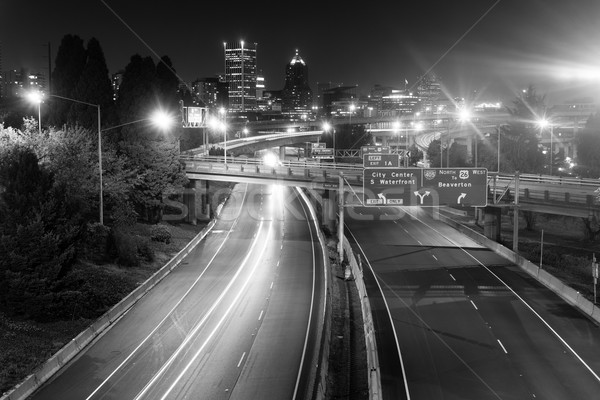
(494, 47)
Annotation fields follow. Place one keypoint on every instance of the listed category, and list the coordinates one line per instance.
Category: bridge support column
(195, 198)
(203, 210)
(189, 201)
(282, 153)
(492, 223)
(330, 209)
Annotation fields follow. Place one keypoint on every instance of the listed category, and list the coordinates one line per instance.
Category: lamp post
(328, 128)
(36, 98)
(159, 118)
(543, 123)
(223, 127)
(101, 217)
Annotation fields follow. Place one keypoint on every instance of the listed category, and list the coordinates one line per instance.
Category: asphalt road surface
(454, 320)
(235, 320)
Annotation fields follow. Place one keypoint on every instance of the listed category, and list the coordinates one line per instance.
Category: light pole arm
(76, 101)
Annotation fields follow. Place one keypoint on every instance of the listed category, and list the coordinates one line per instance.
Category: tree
(434, 153)
(159, 173)
(588, 148)
(521, 149)
(416, 155)
(40, 226)
(69, 64)
(93, 87)
(457, 156)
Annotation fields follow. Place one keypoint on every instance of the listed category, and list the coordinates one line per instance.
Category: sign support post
(516, 216)
(595, 274)
(341, 218)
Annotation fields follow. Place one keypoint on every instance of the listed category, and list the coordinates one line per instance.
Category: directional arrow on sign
(422, 195)
(462, 196)
(382, 197)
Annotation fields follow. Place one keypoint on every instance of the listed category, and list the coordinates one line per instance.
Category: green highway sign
(425, 187)
(374, 149)
(381, 160)
(455, 186)
(390, 186)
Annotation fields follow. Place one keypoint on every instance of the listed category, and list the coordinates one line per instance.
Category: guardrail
(543, 189)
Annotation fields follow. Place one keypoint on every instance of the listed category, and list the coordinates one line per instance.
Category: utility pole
(341, 218)
(516, 216)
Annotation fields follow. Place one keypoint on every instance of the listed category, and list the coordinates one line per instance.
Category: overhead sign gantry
(425, 187)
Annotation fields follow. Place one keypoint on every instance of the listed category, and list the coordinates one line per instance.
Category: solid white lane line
(501, 345)
(241, 359)
(261, 315)
(474, 305)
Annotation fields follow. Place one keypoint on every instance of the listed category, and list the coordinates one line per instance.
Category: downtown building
(241, 76)
(296, 95)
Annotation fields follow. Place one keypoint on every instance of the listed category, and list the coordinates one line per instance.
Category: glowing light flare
(326, 126)
(270, 159)
(162, 119)
(464, 115)
(35, 97)
(543, 123)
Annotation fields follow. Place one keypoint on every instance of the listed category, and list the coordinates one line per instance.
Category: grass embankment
(27, 344)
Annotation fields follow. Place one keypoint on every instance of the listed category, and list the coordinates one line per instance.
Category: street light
(327, 128)
(543, 123)
(101, 217)
(160, 118)
(351, 109)
(223, 123)
(36, 98)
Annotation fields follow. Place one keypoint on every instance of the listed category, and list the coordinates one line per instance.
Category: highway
(237, 319)
(453, 320)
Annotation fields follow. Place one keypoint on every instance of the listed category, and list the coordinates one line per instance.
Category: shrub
(126, 249)
(145, 250)
(161, 233)
(95, 243)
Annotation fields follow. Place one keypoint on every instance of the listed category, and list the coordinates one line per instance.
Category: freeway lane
(456, 321)
(236, 319)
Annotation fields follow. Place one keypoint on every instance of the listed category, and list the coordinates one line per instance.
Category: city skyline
(493, 47)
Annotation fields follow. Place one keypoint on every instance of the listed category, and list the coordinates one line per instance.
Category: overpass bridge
(558, 195)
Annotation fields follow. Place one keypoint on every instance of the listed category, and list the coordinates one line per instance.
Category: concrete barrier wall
(103, 323)
(567, 293)
(368, 326)
(320, 369)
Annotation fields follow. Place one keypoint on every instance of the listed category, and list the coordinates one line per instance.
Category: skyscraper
(1, 72)
(296, 94)
(240, 75)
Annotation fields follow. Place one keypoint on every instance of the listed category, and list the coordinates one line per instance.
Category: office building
(209, 92)
(296, 94)
(241, 75)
